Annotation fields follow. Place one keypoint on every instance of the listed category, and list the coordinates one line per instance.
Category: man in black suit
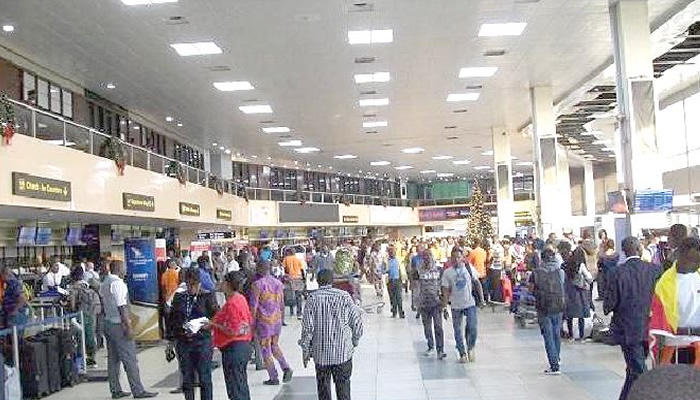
(629, 291)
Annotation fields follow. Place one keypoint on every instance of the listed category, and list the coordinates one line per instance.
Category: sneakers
(428, 352)
(471, 356)
(287, 375)
(552, 371)
(393, 315)
(463, 359)
(441, 355)
(402, 315)
(119, 395)
(145, 395)
(271, 382)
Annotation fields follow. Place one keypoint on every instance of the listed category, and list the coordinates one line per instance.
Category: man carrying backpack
(84, 298)
(547, 284)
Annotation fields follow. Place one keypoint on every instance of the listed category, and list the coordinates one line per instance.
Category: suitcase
(34, 367)
(67, 351)
(53, 359)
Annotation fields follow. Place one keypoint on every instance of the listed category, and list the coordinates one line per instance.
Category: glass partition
(49, 129)
(77, 138)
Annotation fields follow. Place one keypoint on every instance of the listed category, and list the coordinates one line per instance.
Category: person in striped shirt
(331, 328)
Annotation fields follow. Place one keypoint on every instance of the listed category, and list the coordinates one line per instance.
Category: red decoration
(8, 132)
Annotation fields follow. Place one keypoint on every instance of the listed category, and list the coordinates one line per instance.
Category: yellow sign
(226, 215)
(189, 209)
(40, 188)
(138, 202)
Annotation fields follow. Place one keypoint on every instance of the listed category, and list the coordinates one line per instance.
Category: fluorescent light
(513, 157)
(375, 77)
(111, 86)
(345, 157)
(375, 124)
(413, 150)
(228, 151)
(306, 150)
(179, 124)
(379, 163)
(259, 109)
(482, 167)
(442, 157)
(470, 96)
(604, 141)
(8, 28)
(461, 162)
(59, 142)
(487, 153)
(146, 2)
(276, 129)
(214, 144)
(196, 48)
(428, 171)
(477, 72)
(233, 86)
(505, 29)
(608, 149)
(403, 167)
(371, 36)
(374, 102)
(290, 143)
(169, 119)
(253, 156)
(524, 163)
(445, 175)
(588, 133)
(221, 147)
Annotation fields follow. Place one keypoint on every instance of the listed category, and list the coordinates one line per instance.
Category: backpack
(344, 263)
(549, 292)
(475, 292)
(87, 301)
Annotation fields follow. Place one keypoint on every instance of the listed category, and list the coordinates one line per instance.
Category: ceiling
(297, 56)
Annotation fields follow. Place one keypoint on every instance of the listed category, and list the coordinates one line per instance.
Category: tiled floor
(389, 366)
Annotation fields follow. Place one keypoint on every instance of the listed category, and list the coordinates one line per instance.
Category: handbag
(580, 281)
(475, 293)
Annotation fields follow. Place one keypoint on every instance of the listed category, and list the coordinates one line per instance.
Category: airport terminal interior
(335, 199)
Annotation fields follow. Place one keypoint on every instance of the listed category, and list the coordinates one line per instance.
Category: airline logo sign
(38, 187)
(225, 215)
(138, 202)
(189, 209)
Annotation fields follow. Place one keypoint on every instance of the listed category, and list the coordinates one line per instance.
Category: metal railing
(456, 201)
(41, 124)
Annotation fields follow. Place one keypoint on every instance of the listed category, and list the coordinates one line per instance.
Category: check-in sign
(138, 202)
(189, 209)
(38, 187)
(222, 214)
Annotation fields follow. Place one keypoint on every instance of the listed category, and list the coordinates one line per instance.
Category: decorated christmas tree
(479, 219)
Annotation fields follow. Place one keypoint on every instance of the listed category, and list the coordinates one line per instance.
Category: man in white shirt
(90, 273)
(52, 279)
(121, 348)
(231, 263)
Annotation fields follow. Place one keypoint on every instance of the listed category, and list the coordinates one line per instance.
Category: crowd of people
(651, 289)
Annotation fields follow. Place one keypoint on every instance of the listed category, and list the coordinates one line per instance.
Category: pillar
(545, 151)
(589, 189)
(221, 165)
(504, 181)
(638, 153)
(564, 186)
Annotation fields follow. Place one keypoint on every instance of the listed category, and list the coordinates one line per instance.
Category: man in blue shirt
(205, 276)
(394, 273)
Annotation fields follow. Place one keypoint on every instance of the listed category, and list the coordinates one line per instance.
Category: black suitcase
(66, 350)
(53, 358)
(34, 368)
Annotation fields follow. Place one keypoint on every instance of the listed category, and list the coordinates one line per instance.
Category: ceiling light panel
(257, 109)
(470, 96)
(403, 168)
(306, 150)
(345, 157)
(196, 48)
(233, 86)
(276, 129)
(503, 29)
(371, 36)
(442, 157)
(290, 143)
(146, 2)
(379, 163)
(375, 77)
(375, 124)
(374, 102)
(524, 163)
(413, 150)
(482, 167)
(477, 72)
(487, 153)
(461, 162)
(428, 171)
(445, 175)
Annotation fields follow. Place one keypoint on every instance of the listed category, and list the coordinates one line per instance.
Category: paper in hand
(195, 325)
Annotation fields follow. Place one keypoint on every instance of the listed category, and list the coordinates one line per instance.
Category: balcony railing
(56, 130)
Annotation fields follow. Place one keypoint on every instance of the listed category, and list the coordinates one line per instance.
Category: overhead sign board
(138, 202)
(351, 219)
(38, 187)
(189, 209)
(225, 215)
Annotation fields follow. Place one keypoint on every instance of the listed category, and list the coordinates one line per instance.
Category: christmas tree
(479, 219)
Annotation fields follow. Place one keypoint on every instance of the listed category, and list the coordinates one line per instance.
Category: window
(55, 98)
(67, 104)
(29, 88)
(43, 93)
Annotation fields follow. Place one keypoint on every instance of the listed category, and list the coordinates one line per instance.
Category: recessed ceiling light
(196, 48)
(482, 167)
(214, 144)
(470, 96)
(8, 28)
(374, 102)
(608, 149)
(503, 29)
(111, 85)
(253, 156)
(403, 167)
(146, 2)
(413, 150)
(375, 77)
(290, 143)
(228, 151)
(179, 124)
(602, 141)
(233, 86)
(461, 162)
(445, 175)
(487, 153)
(477, 72)
(375, 124)
(611, 155)
(221, 147)
(513, 157)
(371, 36)
(442, 157)
(169, 119)
(588, 133)
(379, 164)
(428, 171)
(276, 129)
(524, 163)
(345, 157)
(259, 109)
(306, 150)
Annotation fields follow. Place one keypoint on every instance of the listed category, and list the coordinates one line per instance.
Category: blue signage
(653, 200)
(141, 270)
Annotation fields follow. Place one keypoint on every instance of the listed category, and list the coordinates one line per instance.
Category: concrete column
(638, 153)
(545, 150)
(589, 189)
(564, 186)
(221, 165)
(504, 181)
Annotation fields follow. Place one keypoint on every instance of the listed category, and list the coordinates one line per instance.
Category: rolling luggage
(67, 350)
(35, 368)
(53, 359)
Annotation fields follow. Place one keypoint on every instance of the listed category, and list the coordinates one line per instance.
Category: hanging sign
(38, 187)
